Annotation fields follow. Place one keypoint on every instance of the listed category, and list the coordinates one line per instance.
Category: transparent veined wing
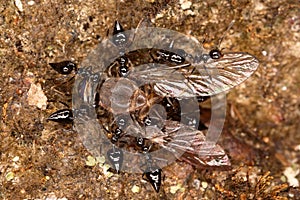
(203, 78)
(186, 143)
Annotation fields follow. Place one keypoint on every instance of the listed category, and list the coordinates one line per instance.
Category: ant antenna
(216, 52)
(63, 103)
(225, 33)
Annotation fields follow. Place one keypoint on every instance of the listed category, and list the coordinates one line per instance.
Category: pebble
(135, 189)
(36, 96)
(19, 5)
(10, 176)
(174, 188)
(204, 184)
(31, 3)
(91, 161)
(185, 4)
(16, 159)
(291, 174)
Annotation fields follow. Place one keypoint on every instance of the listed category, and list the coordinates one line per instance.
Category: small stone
(259, 6)
(159, 15)
(264, 53)
(10, 176)
(91, 161)
(204, 184)
(283, 88)
(135, 189)
(189, 12)
(19, 5)
(31, 3)
(291, 174)
(16, 159)
(100, 159)
(185, 4)
(283, 179)
(174, 188)
(297, 148)
(107, 173)
(36, 96)
(196, 183)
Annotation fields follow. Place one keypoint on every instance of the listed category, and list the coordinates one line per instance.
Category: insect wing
(87, 83)
(187, 144)
(219, 75)
(216, 158)
(199, 79)
(166, 80)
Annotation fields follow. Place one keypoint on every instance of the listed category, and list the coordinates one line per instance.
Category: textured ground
(45, 160)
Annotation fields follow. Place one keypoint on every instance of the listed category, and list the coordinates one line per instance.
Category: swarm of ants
(155, 119)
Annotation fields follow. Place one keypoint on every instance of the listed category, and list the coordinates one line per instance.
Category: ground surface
(45, 160)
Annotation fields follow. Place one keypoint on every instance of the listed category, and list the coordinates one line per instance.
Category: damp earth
(46, 160)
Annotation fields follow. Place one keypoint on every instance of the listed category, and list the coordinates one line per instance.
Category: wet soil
(46, 160)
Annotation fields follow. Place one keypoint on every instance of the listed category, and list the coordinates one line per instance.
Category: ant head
(215, 54)
(117, 28)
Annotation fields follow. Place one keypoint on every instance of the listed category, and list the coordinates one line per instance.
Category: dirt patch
(41, 159)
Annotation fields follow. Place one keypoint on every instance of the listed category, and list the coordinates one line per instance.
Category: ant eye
(147, 121)
(65, 69)
(114, 139)
(123, 71)
(140, 142)
(145, 149)
(122, 122)
(118, 132)
(215, 54)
